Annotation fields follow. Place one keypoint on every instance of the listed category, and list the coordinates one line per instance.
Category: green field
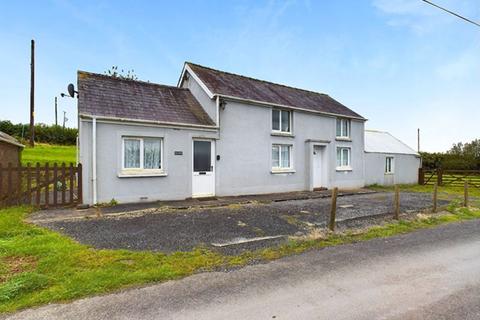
(47, 153)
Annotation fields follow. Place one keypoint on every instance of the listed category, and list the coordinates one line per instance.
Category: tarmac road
(428, 274)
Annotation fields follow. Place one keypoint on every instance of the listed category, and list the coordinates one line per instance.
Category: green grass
(38, 266)
(47, 153)
(445, 192)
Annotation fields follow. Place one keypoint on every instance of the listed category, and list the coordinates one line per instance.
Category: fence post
(63, 183)
(396, 203)
(435, 191)
(47, 184)
(465, 194)
(37, 184)
(421, 176)
(55, 184)
(79, 183)
(29, 183)
(70, 184)
(333, 210)
(440, 176)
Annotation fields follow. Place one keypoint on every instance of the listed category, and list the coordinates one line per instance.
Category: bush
(52, 134)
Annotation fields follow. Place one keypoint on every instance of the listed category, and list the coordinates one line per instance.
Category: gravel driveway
(180, 230)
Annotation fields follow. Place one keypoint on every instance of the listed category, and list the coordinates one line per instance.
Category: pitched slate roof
(10, 140)
(234, 85)
(384, 142)
(101, 95)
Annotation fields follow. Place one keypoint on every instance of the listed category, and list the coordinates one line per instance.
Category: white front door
(203, 180)
(318, 166)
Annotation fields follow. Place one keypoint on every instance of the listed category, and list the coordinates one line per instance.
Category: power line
(452, 13)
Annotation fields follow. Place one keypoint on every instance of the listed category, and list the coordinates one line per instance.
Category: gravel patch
(181, 230)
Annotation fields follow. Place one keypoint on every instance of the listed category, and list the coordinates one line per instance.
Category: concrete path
(429, 274)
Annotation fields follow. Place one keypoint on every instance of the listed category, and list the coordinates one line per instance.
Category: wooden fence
(43, 186)
(455, 178)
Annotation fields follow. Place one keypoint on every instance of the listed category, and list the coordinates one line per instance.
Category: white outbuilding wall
(381, 145)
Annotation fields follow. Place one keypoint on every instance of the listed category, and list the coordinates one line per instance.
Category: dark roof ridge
(255, 79)
(106, 76)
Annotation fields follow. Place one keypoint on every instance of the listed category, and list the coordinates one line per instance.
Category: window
(281, 121)
(142, 153)
(389, 164)
(343, 128)
(343, 158)
(281, 156)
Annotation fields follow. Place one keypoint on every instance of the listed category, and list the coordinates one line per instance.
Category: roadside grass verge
(39, 266)
(49, 153)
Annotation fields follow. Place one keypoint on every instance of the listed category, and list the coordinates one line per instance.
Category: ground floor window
(281, 156)
(389, 164)
(142, 153)
(343, 158)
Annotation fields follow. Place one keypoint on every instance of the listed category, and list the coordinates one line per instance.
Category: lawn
(47, 153)
(39, 266)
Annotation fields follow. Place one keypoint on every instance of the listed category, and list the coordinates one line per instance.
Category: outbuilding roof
(238, 86)
(10, 140)
(384, 142)
(105, 96)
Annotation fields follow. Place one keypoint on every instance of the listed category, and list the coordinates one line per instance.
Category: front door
(203, 180)
(318, 166)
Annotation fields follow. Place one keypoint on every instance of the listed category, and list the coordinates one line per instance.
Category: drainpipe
(94, 159)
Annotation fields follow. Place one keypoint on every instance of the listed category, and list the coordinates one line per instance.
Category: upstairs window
(389, 165)
(142, 153)
(281, 121)
(343, 128)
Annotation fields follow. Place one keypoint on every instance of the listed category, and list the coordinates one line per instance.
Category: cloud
(417, 15)
(465, 65)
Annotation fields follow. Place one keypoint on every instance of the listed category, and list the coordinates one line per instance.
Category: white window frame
(342, 167)
(290, 160)
(392, 165)
(290, 118)
(142, 169)
(343, 135)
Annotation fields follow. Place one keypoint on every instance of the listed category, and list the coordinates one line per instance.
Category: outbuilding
(10, 152)
(388, 160)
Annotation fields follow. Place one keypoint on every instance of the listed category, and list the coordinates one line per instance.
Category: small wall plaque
(178, 153)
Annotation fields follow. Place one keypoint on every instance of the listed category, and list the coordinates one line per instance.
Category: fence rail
(456, 178)
(42, 186)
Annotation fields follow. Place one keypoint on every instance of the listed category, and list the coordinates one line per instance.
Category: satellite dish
(71, 90)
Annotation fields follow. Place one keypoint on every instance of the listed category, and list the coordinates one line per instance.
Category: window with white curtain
(343, 158)
(142, 153)
(281, 121)
(281, 157)
(343, 128)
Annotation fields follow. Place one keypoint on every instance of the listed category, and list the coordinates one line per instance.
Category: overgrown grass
(39, 266)
(47, 153)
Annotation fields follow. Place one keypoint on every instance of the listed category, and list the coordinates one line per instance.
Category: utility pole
(418, 140)
(56, 123)
(32, 94)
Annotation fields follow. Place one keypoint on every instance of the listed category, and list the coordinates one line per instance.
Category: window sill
(344, 169)
(389, 173)
(280, 171)
(282, 134)
(141, 173)
(346, 139)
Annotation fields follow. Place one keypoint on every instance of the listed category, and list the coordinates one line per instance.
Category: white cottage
(388, 160)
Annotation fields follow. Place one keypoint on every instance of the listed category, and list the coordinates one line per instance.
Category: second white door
(203, 179)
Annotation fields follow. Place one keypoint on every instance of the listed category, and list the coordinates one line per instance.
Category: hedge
(52, 134)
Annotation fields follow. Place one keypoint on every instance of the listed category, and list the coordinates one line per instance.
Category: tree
(114, 73)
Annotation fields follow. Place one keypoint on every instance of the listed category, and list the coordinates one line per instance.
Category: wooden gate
(455, 178)
(43, 186)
